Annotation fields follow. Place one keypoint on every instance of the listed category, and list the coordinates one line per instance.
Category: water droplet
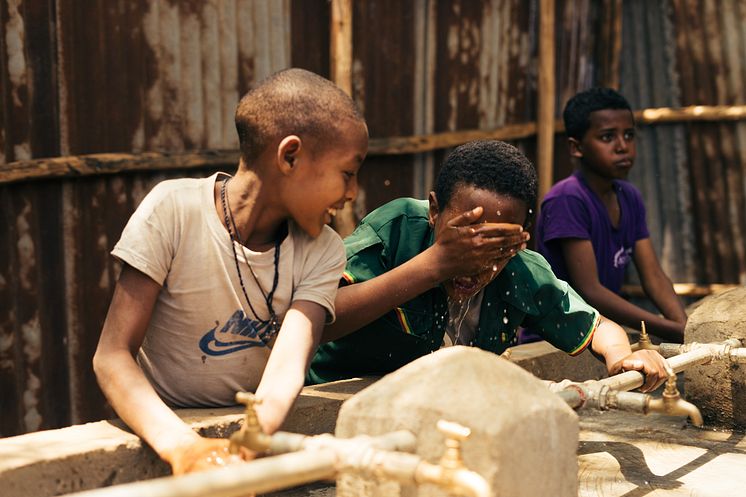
(499, 213)
(494, 268)
(505, 319)
(530, 211)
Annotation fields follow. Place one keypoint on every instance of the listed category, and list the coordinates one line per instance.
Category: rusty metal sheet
(383, 87)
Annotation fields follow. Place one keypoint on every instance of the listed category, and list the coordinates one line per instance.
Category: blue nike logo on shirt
(212, 346)
(240, 325)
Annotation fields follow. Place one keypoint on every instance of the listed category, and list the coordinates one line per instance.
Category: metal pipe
(261, 475)
(720, 350)
(283, 442)
(603, 398)
(693, 354)
(315, 458)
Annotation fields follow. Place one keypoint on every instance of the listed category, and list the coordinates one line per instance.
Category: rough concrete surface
(718, 388)
(522, 441)
(105, 453)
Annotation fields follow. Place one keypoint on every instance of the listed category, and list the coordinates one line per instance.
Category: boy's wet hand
(648, 362)
(467, 247)
(506, 238)
(205, 453)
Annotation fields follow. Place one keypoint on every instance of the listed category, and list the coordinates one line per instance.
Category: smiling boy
(592, 224)
(414, 276)
(227, 281)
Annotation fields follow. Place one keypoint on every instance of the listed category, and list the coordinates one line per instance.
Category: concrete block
(718, 388)
(523, 441)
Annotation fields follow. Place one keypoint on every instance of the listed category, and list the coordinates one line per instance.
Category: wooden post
(341, 71)
(546, 91)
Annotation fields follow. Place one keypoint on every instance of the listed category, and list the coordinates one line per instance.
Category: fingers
(651, 364)
(205, 454)
(467, 218)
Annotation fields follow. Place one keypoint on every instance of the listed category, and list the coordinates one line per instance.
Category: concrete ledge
(106, 453)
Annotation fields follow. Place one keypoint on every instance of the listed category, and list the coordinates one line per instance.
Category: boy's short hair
(489, 165)
(577, 113)
(291, 102)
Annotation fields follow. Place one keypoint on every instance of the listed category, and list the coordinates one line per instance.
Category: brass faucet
(672, 404)
(451, 473)
(644, 342)
(251, 435)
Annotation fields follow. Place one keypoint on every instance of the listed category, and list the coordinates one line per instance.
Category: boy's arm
(288, 362)
(581, 267)
(610, 342)
(125, 386)
(656, 284)
(466, 249)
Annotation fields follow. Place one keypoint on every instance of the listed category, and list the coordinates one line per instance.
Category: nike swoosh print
(212, 346)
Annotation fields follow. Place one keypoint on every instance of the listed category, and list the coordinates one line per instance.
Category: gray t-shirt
(203, 342)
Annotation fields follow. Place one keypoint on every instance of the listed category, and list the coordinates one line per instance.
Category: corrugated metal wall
(165, 75)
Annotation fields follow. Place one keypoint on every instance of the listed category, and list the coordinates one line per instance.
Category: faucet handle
(455, 434)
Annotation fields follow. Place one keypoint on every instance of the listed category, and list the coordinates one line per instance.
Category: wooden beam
(426, 143)
(344, 222)
(94, 164)
(691, 113)
(86, 165)
(546, 96)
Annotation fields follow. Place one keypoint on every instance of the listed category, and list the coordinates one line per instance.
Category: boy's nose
(621, 144)
(351, 193)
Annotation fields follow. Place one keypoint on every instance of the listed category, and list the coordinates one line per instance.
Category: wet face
(497, 209)
(324, 177)
(607, 150)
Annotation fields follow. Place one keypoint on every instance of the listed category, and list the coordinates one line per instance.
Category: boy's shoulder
(174, 191)
(531, 265)
(404, 207)
(572, 186)
(526, 275)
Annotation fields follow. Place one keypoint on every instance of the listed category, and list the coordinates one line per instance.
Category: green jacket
(525, 294)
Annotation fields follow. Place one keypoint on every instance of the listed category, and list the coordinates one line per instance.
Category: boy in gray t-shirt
(227, 281)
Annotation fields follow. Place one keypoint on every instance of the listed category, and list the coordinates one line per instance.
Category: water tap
(644, 342)
(672, 404)
(251, 435)
(450, 472)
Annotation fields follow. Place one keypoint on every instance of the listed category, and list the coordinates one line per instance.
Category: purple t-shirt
(572, 210)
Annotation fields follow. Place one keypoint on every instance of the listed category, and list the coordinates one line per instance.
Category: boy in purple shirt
(592, 224)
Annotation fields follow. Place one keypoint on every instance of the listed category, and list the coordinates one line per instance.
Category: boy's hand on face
(469, 247)
(648, 362)
(205, 453)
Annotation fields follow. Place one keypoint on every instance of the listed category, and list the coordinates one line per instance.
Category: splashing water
(458, 310)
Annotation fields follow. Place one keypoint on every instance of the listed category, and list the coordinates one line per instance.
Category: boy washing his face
(405, 287)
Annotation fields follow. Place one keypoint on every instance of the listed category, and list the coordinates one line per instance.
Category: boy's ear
(287, 153)
(576, 149)
(433, 210)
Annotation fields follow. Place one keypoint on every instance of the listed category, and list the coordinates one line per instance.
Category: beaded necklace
(272, 324)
